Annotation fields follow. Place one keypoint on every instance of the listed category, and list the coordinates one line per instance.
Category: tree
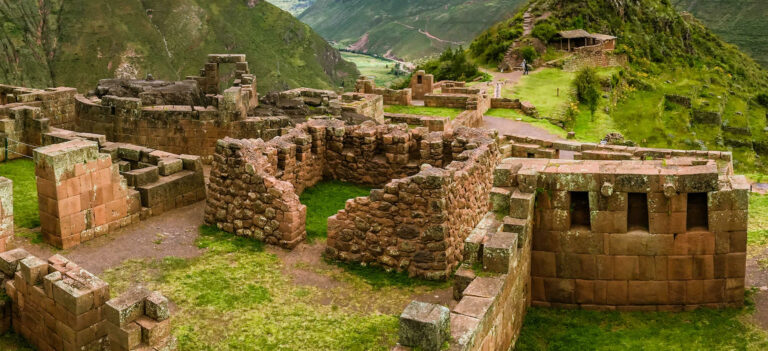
(588, 88)
(529, 53)
(544, 31)
(762, 99)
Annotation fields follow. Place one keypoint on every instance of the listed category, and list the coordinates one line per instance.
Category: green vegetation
(77, 44)
(762, 99)
(739, 22)
(451, 65)
(424, 111)
(553, 329)
(668, 54)
(324, 200)
(239, 296)
(22, 173)
(587, 88)
(14, 342)
(758, 220)
(404, 28)
(383, 71)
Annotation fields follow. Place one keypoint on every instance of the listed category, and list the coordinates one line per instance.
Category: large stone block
(424, 325)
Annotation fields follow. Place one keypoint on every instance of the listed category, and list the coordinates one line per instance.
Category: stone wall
(56, 305)
(366, 85)
(422, 84)
(357, 108)
(81, 194)
(56, 104)
(474, 102)
(6, 213)
(175, 129)
(23, 126)
(432, 123)
(417, 224)
(632, 235)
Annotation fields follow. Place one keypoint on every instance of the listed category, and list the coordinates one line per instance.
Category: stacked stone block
(55, 104)
(139, 320)
(6, 213)
(365, 85)
(418, 224)
(608, 264)
(57, 305)
(422, 84)
(357, 108)
(23, 126)
(81, 194)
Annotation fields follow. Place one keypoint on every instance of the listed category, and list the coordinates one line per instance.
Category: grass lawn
(324, 200)
(552, 329)
(13, 342)
(424, 111)
(372, 66)
(541, 89)
(22, 173)
(515, 115)
(238, 296)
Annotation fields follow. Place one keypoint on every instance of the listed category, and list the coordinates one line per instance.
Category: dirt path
(757, 277)
(170, 234)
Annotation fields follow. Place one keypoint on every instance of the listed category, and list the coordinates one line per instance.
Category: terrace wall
(391, 96)
(57, 104)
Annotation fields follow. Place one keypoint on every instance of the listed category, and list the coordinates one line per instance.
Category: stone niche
(659, 235)
(440, 191)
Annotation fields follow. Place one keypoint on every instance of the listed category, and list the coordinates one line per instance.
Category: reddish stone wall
(422, 84)
(418, 224)
(609, 263)
(81, 194)
(56, 305)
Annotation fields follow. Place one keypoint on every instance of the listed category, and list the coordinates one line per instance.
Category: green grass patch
(515, 115)
(324, 200)
(236, 296)
(704, 329)
(758, 220)
(424, 111)
(369, 66)
(14, 342)
(22, 173)
(549, 90)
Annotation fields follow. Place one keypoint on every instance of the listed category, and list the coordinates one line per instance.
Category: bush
(544, 31)
(452, 65)
(762, 99)
(529, 53)
(587, 86)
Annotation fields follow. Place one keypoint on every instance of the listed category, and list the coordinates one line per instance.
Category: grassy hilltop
(669, 54)
(397, 27)
(77, 42)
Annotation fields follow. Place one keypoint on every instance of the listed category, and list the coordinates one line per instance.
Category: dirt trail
(170, 234)
(757, 277)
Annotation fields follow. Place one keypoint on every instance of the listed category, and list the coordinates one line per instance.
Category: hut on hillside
(571, 40)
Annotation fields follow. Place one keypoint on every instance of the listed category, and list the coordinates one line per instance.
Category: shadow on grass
(325, 199)
(379, 278)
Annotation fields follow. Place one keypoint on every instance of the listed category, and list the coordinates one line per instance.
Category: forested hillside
(76, 42)
(407, 29)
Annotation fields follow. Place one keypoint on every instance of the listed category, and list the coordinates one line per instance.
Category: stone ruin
(516, 221)
(56, 305)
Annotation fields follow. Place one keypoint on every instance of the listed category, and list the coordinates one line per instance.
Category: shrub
(452, 65)
(762, 99)
(587, 86)
(529, 53)
(544, 31)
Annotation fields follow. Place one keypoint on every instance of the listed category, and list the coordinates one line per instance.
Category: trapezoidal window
(637, 212)
(580, 210)
(419, 79)
(697, 217)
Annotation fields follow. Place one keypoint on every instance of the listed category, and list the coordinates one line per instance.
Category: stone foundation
(403, 97)
(6, 213)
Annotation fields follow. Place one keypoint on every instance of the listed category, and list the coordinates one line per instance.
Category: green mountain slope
(407, 29)
(77, 42)
(740, 22)
(670, 55)
(295, 7)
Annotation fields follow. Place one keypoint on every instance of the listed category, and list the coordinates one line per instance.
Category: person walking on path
(525, 67)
